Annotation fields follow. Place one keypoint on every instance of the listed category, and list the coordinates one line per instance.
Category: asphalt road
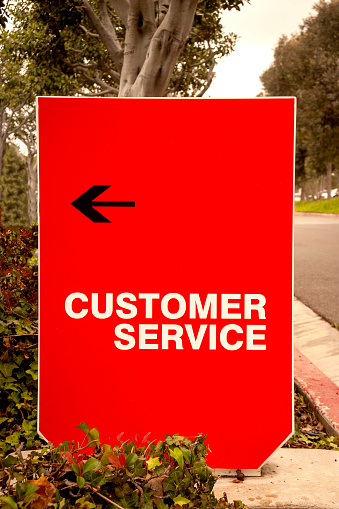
(316, 264)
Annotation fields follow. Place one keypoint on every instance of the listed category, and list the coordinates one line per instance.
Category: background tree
(27, 135)
(21, 81)
(13, 184)
(13, 98)
(307, 66)
(125, 47)
(106, 48)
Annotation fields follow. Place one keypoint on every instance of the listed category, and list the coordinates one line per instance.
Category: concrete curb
(319, 391)
(329, 214)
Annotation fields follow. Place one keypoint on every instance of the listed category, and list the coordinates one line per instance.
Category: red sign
(166, 271)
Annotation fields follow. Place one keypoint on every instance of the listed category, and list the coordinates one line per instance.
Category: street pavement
(316, 263)
(302, 478)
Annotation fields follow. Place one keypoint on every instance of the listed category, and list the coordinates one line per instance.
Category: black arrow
(85, 204)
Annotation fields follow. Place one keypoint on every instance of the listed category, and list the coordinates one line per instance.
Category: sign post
(166, 256)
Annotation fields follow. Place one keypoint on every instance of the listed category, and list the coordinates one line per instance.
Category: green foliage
(56, 41)
(306, 65)
(3, 18)
(134, 474)
(18, 339)
(13, 188)
(320, 441)
(322, 206)
(309, 433)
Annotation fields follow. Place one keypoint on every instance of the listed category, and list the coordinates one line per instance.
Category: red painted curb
(322, 392)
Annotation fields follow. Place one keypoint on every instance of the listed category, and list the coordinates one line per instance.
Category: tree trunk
(2, 154)
(329, 180)
(314, 188)
(151, 53)
(303, 187)
(32, 180)
(321, 187)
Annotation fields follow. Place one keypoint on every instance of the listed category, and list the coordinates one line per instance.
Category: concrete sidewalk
(317, 340)
(291, 478)
(302, 478)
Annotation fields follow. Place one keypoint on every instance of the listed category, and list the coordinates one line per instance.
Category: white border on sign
(292, 296)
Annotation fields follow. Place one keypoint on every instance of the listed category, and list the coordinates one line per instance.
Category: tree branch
(99, 94)
(95, 80)
(163, 9)
(25, 120)
(209, 78)
(112, 44)
(81, 65)
(141, 27)
(107, 20)
(121, 7)
(164, 50)
(114, 75)
(8, 130)
(87, 32)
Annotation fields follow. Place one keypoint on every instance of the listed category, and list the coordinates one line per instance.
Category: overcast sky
(259, 25)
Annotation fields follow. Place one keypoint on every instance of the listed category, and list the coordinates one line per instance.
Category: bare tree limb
(164, 50)
(24, 121)
(87, 32)
(112, 44)
(121, 7)
(178, 83)
(106, 19)
(163, 9)
(99, 94)
(81, 65)
(209, 78)
(141, 27)
(114, 75)
(95, 80)
(7, 131)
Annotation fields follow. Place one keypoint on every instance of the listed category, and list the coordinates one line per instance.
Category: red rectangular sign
(166, 270)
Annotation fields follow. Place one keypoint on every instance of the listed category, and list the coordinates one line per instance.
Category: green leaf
(75, 469)
(27, 395)
(177, 454)
(173, 439)
(9, 461)
(25, 489)
(80, 481)
(64, 446)
(34, 374)
(83, 502)
(13, 439)
(94, 435)
(84, 427)
(153, 462)
(181, 500)
(187, 454)
(108, 450)
(131, 459)
(9, 501)
(7, 367)
(91, 464)
(161, 505)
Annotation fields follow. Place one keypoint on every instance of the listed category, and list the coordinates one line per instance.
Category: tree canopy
(137, 48)
(306, 65)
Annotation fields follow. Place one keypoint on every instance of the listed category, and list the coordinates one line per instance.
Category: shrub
(18, 338)
(135, 474)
